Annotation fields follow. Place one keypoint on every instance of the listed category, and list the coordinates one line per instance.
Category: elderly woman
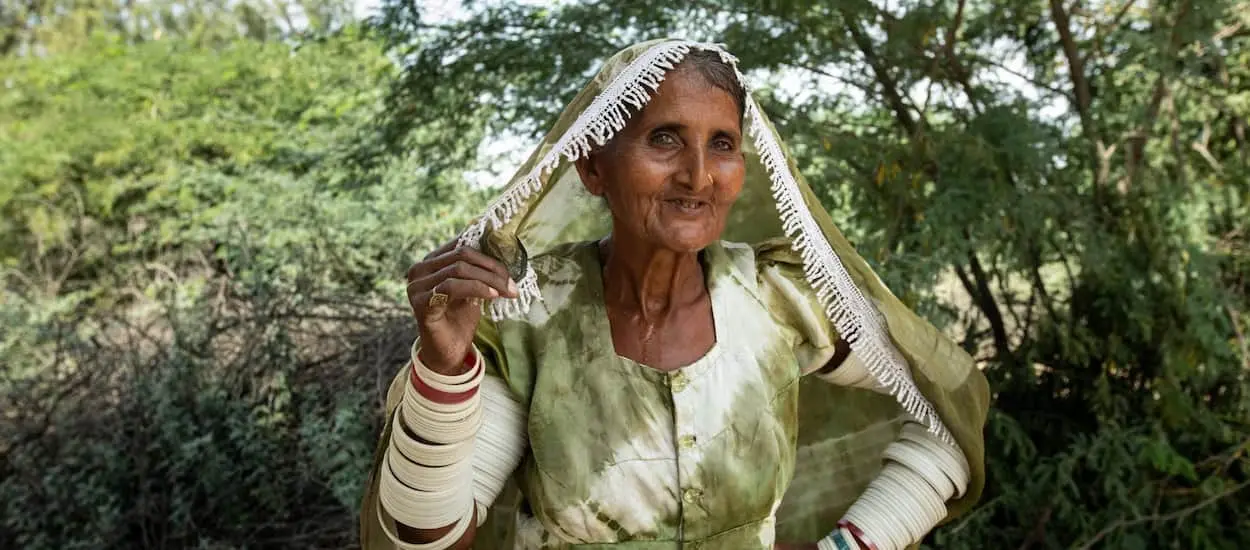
(646, 381)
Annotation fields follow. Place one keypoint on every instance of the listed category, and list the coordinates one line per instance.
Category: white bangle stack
(427, 483)
(500, 444)
(908, 498)
(467, 451)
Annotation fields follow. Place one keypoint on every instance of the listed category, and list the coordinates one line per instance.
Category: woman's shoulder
(749, 259)
(778, 251)
(773, 272)
(562, 264)
(519, 341)
(561, 273)
(569, 251)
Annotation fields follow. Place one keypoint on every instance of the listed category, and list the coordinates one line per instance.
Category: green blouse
(623, 453)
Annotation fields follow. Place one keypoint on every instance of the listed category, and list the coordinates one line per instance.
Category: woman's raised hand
(446, 291)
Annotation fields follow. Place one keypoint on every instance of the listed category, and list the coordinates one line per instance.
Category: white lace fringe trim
(855, 318)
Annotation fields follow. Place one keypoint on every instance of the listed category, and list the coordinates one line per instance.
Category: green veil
(843, 431)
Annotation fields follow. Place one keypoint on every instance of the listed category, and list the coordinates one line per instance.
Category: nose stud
(709, 178)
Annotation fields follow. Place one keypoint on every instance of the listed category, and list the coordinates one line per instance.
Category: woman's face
(672, 174)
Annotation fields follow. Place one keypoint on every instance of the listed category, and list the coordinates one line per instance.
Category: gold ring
(709, 178)
(437, 299)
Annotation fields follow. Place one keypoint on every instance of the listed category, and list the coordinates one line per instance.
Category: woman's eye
(723, 145)
(663, 138)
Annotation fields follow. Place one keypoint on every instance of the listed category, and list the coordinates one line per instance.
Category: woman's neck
(649, 280)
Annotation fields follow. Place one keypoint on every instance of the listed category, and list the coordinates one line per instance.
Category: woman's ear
(591, 176)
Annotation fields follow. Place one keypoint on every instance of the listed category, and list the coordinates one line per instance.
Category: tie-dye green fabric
(627, 455)
(623, 452)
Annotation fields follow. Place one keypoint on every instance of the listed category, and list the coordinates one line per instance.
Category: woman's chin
(689, 241)
(682, 236)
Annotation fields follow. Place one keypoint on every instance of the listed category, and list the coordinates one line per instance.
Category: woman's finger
(425, 267)
(429, 306)
(492, 271)
(470, 255)
(460, 270)
(444, 248)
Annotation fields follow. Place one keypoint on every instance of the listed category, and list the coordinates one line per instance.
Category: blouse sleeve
(819, 348)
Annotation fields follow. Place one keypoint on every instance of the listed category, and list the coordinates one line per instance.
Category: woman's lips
(688, 207)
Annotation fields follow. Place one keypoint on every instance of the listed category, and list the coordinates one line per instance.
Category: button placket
(687, 427)
(678, 382)
(683, 414)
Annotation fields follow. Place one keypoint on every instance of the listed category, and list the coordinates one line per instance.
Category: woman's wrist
(454, 368)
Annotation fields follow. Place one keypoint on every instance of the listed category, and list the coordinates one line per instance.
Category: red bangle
(859, 535)
(439, 396)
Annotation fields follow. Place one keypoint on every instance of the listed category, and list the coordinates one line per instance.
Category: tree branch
(1100, 35)
(1200, 146)
(1137, 140)
(1030, 79)
(978, 288)
(1241, 337)
(1081, 94)
(1180, 170)
(1076, 68)
(1035, 272)
(997, 327)
(952, 30)
(889, 86)
(1038, 533)
(1227, 32)
(817, 70)
(1157, 518)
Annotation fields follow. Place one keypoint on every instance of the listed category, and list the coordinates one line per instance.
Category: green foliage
(41, 27)
(120, 140)
(203, 247)
(229, 429)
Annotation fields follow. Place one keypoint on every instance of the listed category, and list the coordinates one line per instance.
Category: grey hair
(708, 64)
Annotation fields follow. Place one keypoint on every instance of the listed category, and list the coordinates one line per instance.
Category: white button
(678, 381)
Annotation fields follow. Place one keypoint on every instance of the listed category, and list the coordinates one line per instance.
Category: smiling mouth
(689, 206)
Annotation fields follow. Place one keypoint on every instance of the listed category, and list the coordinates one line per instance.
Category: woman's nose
(697, 176)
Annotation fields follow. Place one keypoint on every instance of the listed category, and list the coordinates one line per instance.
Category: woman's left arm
(921, 473)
